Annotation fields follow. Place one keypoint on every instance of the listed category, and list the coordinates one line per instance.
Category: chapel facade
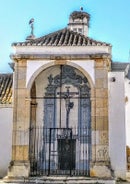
(62, 106)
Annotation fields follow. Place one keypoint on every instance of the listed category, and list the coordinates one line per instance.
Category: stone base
(19, 169)
(63, 180)
(100, 171)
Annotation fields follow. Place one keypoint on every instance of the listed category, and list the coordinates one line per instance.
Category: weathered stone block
(101, 171)
(19, 169)
(101, 122)
(99, 103)
(99, 63)
(99, 83)
(103, 137)
(102, 93)
(20, 152)
(101, 74)
(102, 153)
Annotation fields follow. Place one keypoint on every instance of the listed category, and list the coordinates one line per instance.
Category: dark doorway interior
(66, 150)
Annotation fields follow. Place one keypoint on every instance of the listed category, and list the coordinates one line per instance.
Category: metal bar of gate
(71, 161)
(49, 151)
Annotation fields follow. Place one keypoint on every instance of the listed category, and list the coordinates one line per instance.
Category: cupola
(79, 22)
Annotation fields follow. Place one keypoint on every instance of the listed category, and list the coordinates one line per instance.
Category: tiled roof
(64, 37)
(118, 66)
(6, 82)
(121, 67)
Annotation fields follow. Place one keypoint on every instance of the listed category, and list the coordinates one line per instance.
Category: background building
(6, 118)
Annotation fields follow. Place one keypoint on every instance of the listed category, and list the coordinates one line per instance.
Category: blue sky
(110, 22)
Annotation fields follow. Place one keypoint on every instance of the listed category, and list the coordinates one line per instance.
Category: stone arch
(49, 64)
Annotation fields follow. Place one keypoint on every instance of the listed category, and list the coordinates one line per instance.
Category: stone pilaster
(19, 166)
(100, 147)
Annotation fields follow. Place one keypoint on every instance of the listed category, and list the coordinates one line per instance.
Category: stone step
(58, 180)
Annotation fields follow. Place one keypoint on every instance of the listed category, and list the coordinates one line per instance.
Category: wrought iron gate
(63, 145)
(60, 151)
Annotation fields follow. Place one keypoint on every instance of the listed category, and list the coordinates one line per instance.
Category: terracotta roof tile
(6, 82)
(64, 37)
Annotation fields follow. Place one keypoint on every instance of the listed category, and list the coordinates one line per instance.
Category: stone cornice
(59, 57)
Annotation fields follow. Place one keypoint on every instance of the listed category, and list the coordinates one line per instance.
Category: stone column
(19, 166)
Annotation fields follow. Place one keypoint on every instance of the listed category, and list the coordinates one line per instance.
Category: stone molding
(60, 56)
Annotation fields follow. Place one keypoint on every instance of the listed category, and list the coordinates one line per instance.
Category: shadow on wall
(128, 157)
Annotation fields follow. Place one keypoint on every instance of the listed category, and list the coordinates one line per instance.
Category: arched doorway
(60, 140)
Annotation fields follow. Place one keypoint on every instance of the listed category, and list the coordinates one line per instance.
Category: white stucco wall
(35, 65)
(127, 94)
(66, 50)
(117, 135)
(6, 119)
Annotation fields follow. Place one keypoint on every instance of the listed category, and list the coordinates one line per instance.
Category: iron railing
(60, 151)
